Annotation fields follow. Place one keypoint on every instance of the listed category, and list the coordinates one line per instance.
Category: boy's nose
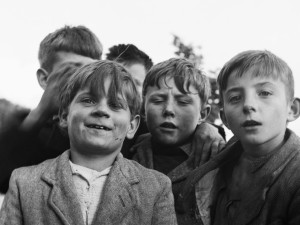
(249, 105)
(169, 109)
(248, 109)
(101, 110)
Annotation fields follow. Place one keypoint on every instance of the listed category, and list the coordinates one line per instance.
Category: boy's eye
(234, 99)
(116, 105)
(184, 101)
(88, 100)
(265, 93)
(156, 100)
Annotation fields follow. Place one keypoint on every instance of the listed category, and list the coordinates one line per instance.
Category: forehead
(167, 84)
(137, 70)
(249, 79)
(62, 57)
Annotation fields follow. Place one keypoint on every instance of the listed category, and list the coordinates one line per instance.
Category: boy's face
(171, 116)
(138, 72)
(97, 127)
(256, 109)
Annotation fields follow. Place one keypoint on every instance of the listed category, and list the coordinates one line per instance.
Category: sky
(222, 28)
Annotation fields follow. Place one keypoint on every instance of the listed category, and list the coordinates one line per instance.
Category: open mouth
(251, 123)
(168, 125)
(98, 127)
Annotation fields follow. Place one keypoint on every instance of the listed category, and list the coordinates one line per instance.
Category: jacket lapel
(118, 197)
(63, 198)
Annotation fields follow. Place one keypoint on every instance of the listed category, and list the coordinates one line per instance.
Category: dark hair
(184, 73)
(93, 76)
(128, 54)
(262, 64)
(79, 40)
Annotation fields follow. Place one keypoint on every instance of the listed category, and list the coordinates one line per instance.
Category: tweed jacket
(274, 197)
(45, 194)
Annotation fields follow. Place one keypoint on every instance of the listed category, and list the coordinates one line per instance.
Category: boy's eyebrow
(162, 94)
(234, 89)
(264, 83)
(238, 88)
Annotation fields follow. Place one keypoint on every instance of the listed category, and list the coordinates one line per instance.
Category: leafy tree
(193, 53)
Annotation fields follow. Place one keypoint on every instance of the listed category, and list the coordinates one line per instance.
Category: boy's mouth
(168, 125)
(251, 123)
(98, 127)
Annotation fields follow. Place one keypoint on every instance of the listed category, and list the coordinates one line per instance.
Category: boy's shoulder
(284, 162)
(133, 171)
(30, 174)
(142, 144)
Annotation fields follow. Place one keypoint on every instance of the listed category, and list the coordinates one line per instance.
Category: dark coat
(274, 198)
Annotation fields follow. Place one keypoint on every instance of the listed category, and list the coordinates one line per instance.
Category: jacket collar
(144, 155)
(117, 199)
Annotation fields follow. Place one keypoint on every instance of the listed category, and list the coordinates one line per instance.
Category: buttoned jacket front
(45, 194)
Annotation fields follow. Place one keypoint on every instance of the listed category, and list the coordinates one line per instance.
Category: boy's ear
(134, 124)
(63, 122)
(294, 111)
(223, 118)
(42, 76)
(204, 113)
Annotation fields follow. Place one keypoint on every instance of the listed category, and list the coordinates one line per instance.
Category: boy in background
(175, 96)
(259, 183)
(92, 183)
(137, 62)
(29, 137)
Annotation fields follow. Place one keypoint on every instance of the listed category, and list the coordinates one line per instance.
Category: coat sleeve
(11, 212)
(12, 151)
(294, 209)
(164, 211)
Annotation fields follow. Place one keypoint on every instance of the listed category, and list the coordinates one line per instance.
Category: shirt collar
(87, 173)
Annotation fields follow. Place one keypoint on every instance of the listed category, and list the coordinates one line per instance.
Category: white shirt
(89, 185)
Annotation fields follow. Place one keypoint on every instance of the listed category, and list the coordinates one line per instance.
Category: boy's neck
(93, 161)
(260, 150)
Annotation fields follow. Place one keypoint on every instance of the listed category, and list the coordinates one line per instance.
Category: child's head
(137, 62)
(67, 44)
(257, 96)
(175, 95)
(99, 106)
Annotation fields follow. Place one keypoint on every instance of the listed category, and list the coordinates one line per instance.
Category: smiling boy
(260, 182)
(91, 183)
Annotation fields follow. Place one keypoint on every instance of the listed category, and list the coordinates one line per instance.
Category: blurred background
(209, 32)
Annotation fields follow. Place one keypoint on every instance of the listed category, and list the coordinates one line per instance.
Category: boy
(29, 137)
(92, 183)
(137, 62)
(260, 182)
(175, 96)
